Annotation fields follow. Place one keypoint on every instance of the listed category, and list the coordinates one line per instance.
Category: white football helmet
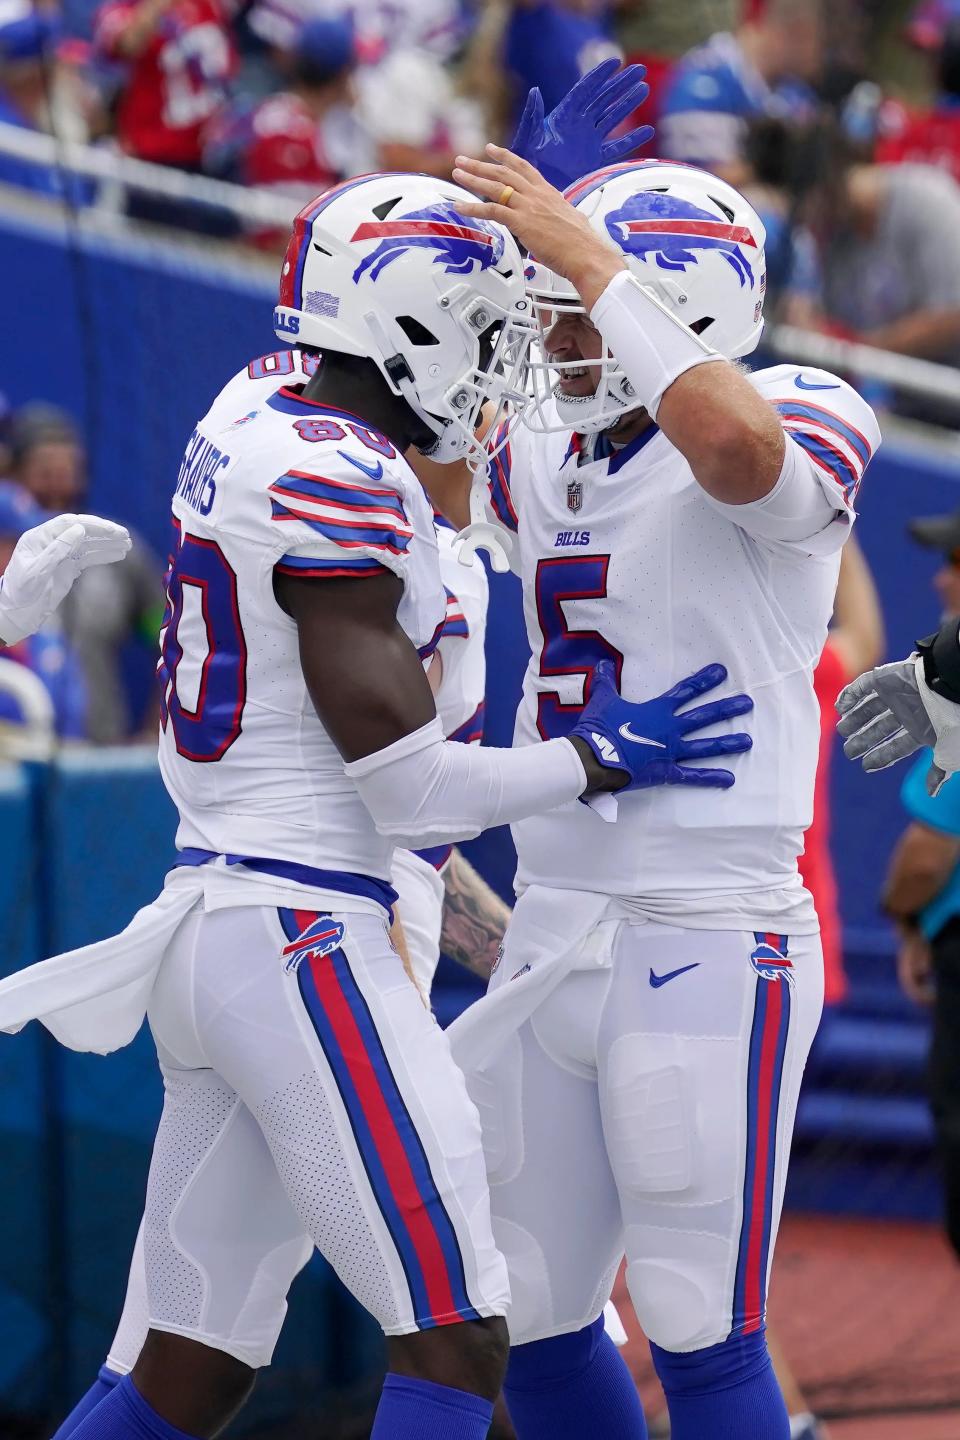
(384, 267)
(691, 240)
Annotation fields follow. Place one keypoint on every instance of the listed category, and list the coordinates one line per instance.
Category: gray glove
(890, 712)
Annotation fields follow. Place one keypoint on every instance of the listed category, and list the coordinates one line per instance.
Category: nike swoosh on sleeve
(802, 384)
(372, 472)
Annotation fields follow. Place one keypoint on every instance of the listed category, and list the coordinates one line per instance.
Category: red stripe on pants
(763, 1159)
(386, 1137)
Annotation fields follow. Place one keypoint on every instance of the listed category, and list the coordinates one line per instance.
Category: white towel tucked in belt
(551, 932)
(95, 998)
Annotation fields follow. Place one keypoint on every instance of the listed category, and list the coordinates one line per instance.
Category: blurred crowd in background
(843, 130)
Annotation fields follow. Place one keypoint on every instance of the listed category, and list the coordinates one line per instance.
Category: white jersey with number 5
(626, 557)
(271, 482)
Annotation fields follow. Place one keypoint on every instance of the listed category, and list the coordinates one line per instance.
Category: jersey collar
(290, 402)
(617, 458)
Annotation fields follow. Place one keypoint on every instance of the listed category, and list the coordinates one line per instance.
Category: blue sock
(727, 1391)
(419, 1410)
(125, 1415)
(571, 1386)
(98, 1391)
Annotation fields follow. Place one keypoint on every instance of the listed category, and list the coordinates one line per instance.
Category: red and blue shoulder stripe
(499, 470)
(834, 444)
(354, 516)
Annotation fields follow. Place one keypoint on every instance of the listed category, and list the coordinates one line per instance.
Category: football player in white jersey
(45, 563)
(306, 1085)
(457, 672)
(637, 1061)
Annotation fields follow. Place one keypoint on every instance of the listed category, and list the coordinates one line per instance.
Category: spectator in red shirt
(180, 57)
(295, 133)
(855, 641)
(929, 136)
(306, 138)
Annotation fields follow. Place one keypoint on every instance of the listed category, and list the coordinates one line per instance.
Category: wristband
(652, 347)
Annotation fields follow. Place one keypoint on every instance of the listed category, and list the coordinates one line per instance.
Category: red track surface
(868, 1315)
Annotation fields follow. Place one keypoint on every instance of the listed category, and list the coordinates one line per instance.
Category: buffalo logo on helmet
(651, 225)
(320, 938)
(769, 958)
(461, 244)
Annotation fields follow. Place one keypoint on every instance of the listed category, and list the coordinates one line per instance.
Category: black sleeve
(941, 660)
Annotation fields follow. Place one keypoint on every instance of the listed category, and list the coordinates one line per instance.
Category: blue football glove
(572, 140)
(647, 741)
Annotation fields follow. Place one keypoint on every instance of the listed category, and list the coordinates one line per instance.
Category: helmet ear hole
(726, 210)
(488, 344)
(416, 332)
(702, 324)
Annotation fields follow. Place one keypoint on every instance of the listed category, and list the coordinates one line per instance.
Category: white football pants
(310, 1098)
(647, 1107)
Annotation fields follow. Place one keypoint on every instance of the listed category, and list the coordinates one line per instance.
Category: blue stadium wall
(135, 339)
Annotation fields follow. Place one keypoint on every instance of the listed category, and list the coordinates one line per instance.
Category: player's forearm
(729, 435)
(474, 918)
(424, 790)
(922, 864)
(731, 438)
(858, 632)
(928, 334)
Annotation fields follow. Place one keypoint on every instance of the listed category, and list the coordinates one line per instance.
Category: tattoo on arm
(474, 918)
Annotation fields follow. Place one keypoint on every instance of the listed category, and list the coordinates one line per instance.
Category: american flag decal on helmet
(321, 302)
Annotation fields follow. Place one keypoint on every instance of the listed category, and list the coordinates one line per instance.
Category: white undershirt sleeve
(425, 790)
(802, 509)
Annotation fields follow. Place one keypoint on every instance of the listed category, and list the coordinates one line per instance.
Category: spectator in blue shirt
(551, 43)
(26, 39)
(922, 895)
(48, 653)
(763, 68)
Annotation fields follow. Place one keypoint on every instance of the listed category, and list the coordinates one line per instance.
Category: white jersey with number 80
(270, 482)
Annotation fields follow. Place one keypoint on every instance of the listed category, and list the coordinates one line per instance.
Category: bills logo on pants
(321, 938)
(389, 1145)
(769, 958)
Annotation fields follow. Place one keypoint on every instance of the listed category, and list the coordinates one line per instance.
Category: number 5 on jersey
(562, 580)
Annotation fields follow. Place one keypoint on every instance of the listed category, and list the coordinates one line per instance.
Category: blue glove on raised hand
(647, 741)
(572, 140)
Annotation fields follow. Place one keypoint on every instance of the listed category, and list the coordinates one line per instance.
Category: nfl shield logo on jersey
(321, 938)
(574, 495)
(769, 959)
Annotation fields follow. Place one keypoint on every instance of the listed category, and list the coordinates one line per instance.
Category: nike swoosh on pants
(657, 980)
